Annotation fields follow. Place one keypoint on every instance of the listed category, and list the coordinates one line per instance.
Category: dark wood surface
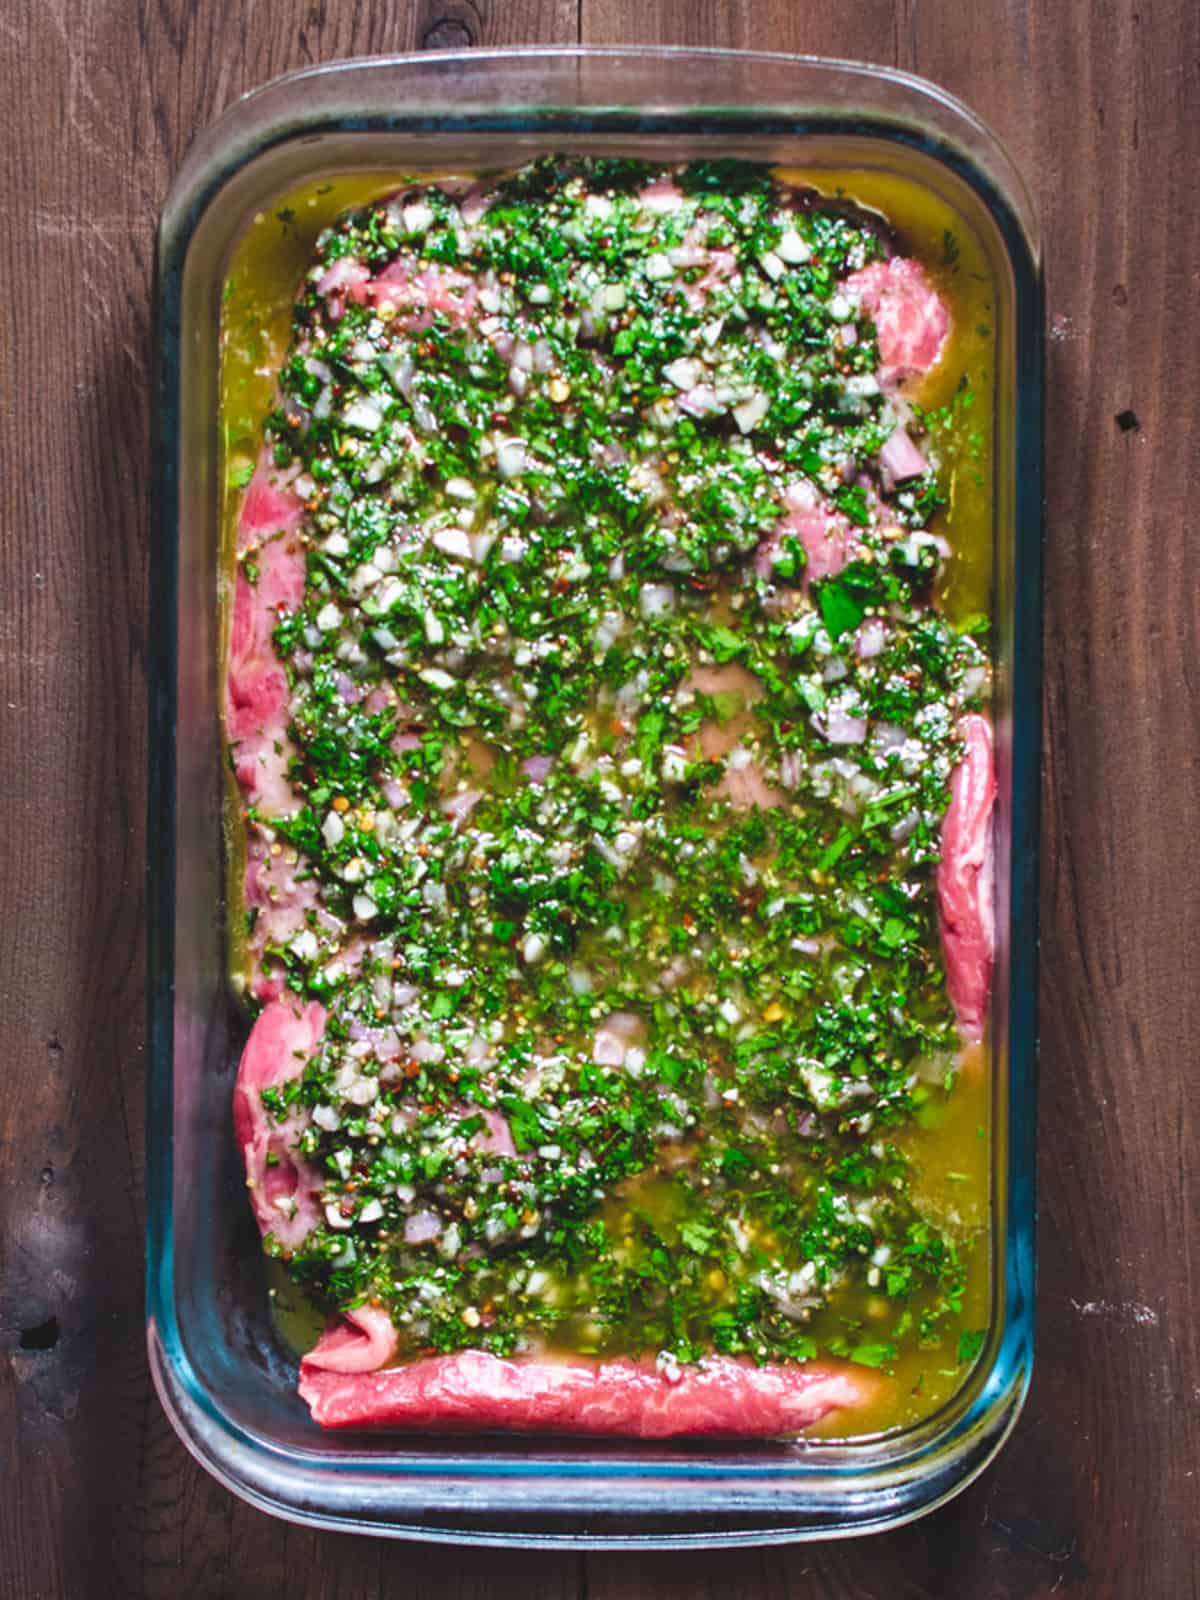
(1097, 1493)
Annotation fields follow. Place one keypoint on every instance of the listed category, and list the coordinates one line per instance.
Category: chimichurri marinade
(614, 791)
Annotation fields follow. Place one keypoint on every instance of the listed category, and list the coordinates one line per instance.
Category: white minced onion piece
(371, 1212)
(685, 373)
(510, 457)
(334, 1217)
(656, 600)
(657, 267)
(363, 415)
(538, 294)
(451, 1240)
(454, 542)
(436, 678)
(417, 217)
(702, 401)
(305, 945)
(364, 577)
(793, 248)
(333, 830)
(974, 680)
(400, 370)
(365, 908)
(687, 255)
(382, 601)
(481, 544)
(608, 630)
(533, 949)
(862, 384)
(771, 265)
(751, 411)
(523, 356)
(326, 1118)
(423, 414)
(329, 618)
(906, 826)
(460, 488)
(674, 764)
(872, 636)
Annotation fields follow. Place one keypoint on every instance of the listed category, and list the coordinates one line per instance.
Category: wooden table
(1097, 1492)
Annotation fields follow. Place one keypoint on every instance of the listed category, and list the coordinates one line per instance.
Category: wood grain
(1096, 1493)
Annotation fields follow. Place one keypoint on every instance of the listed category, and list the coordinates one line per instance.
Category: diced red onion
(872, 637)
(900, 459)
(614, 1037)
(842, 728)
(791, 768)
(702, 401)
(459, 806)
(422, 1226)
(536, 768)
(475, 205)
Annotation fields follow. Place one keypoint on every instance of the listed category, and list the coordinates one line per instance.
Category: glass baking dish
(224, 1377)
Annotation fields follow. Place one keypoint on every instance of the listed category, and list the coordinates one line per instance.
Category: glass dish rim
(200, 180)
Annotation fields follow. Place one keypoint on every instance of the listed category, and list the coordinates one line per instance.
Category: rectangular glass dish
(227, 1381)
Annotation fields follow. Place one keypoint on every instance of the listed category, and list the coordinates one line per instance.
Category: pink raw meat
(257, 704)
(256, 687)
(283, 1191)
(415, 296)
(361, 1340)
(825, 534)
(911, 319)
(472, 1391)
(965, 879)
(418, 296)
(495, 1137)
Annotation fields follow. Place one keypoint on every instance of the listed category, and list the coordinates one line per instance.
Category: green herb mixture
(624, 823)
